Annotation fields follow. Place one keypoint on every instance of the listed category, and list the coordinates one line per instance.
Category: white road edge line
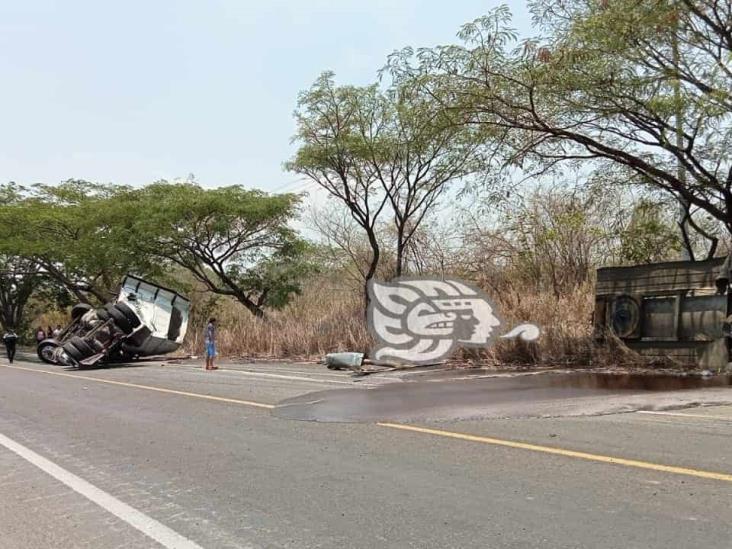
(344, 380)
(150, 527)
(293, 378)
(681, 414)
(255, 370)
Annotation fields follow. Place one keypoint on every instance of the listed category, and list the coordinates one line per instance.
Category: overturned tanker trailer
(146, 319)
(680, 310)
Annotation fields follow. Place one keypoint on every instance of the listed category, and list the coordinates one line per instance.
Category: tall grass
(328, 317)
(565, 321)
(323, 319)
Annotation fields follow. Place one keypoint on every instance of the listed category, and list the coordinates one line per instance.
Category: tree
(424, 151)
(19, 278)
(644, 86)
(235, 241)
(77, 233)
(380, 153)
(649, 235)
(19, 275)
(344, 245)
(332, 123)
(550, 240)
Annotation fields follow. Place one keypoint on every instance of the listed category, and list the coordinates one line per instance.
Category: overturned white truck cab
(145, 320)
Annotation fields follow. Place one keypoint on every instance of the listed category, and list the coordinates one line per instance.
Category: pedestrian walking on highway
(10, 338)
(210, 343)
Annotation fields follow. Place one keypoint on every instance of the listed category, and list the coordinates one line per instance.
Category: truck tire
(120, 320)
(73, 353)
(103, 314)
(45, 348)
(124, 317)
(95, 345)
(78, 349)
(79, 310)
(130, 315)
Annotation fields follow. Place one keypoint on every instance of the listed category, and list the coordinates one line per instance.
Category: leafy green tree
(20, 275)
(235, 241)
(19, 278)
(78, 235)
(382, 153)
(425, 151)
(641, 86)
(332, 151)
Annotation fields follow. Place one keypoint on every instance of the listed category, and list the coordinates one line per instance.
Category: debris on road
(356, 362)
(344, 361)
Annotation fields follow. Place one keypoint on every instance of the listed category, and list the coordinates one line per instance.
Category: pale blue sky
(134, 91)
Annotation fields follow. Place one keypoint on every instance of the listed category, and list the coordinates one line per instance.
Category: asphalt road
(173, 456)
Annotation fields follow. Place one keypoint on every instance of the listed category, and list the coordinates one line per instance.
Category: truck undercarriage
(146, 319)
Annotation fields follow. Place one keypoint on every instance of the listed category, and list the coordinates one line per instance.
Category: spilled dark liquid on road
(636, 382)
(514, 396)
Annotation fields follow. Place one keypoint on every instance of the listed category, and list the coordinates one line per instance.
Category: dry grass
(45, 320)
(565, 322)
(328, 317)
(323, 319)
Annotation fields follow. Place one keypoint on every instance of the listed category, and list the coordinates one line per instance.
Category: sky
(141, 90)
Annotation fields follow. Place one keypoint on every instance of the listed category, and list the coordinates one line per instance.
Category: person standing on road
(40, 335)
(10, 338)
(210, 343)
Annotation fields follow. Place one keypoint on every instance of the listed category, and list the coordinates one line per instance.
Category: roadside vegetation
(520, 164)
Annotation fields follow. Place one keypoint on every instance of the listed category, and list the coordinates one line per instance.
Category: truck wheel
(79, 310)
(45, 350)
(95, 345)
(120, 320)
(103, 314)
(129, 314)
(78, 349)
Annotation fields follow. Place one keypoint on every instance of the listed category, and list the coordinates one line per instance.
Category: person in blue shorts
(210, 344)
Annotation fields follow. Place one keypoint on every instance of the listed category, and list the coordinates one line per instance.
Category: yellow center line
(562, 452)
(698, 473)
(148, 387)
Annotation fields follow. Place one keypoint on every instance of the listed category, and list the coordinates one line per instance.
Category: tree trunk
(401, 244)
(13, 306)
(375, 257)
(252, 307)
